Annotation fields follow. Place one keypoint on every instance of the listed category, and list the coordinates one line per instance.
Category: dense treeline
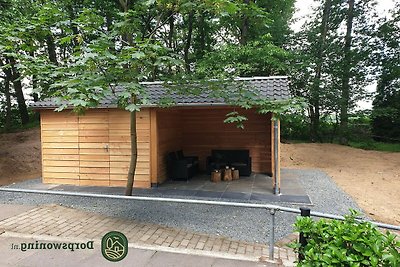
(342, 48)
(42, 41)
(72, 48)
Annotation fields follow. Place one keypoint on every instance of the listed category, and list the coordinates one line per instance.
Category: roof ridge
(260, 78)
(236, 79)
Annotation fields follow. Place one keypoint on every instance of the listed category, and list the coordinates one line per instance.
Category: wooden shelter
(94, 148)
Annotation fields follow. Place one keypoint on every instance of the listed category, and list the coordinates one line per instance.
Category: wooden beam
(272, 151)
(153, 146)
(275, 164)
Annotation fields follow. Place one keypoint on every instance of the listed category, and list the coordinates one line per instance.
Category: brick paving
(59, 221)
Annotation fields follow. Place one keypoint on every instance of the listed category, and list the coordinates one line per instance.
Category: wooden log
(227, 175)
(235, 174)
(215, 176)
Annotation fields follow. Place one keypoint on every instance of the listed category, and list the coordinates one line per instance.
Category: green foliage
(374, 145)
(329, 78)
(260, 58)
(15, 123)
(85, 51)
(346, 243)
(235, 117)
(386, 105)
(295, 126)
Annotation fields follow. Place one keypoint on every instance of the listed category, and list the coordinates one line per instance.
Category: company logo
(114, 246)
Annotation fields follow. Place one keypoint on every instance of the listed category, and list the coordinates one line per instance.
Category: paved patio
(63, 224)
(257, 187)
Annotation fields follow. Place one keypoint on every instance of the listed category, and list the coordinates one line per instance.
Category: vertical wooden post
(41, 144)
(153, 147)
(275, 155)
(278, 163)
(272, 150)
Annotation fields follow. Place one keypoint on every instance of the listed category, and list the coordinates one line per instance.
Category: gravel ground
(239, 223)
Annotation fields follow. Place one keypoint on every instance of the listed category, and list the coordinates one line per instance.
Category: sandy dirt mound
(372, 178)
(20, 156)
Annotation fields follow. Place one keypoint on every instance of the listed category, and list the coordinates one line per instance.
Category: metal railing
(272, 209)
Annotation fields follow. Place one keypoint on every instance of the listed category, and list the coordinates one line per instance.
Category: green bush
(295, 127)
(15, 123)
(346, 243)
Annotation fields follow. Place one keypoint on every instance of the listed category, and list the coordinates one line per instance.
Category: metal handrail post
(272, 234)
(304, 212)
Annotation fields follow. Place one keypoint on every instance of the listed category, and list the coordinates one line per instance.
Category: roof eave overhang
(145, 106)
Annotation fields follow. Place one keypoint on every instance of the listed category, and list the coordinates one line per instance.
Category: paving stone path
(63, 222)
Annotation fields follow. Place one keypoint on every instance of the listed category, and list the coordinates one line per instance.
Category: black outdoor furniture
(180, 167)
(238, 159)
(191, 159)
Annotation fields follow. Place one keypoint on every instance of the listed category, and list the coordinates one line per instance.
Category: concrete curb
(142, 246)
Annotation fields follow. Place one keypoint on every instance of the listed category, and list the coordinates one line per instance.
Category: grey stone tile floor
(256, 187)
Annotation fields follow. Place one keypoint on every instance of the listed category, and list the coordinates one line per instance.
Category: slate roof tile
(273, 88)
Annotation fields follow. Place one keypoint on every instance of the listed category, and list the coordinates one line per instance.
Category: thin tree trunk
(51, 48)
(108, 22)
(188, 41)
(132, 165)
(125, 5)
(316, 87)
(202, 35)
(71, 14)
(345, 95)
(171, 22)
(35, 96)
(34, 83)
(7, 124)
(244, 29)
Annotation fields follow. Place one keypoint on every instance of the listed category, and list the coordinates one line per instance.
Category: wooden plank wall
(94, 156)
(60, 150)
(204, 130)
(120, 146)
(93, 149)
(199, 130)
(169, 138)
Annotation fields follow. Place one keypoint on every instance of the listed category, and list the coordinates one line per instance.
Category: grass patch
(373, 145)
(365, 144)
(295, 141)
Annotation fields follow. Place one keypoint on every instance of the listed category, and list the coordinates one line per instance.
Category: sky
(304, 7)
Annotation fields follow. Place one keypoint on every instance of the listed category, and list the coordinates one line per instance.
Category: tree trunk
(316, 87)
(7, 124)
(345, 95)
(132, 165)
(13, 75)
(188, 41)
(72, 16)
(314, 119)
(125, 5)
(23, 110)
(202, 36)
(51, 48)
(244, 29)
(34, 95)
(108, 22)
(171, 30)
